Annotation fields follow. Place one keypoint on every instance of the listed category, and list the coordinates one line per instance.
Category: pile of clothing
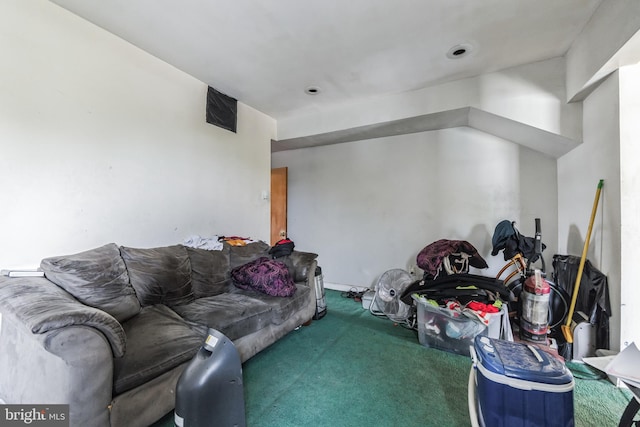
(448, 285)
(446, 257)
(216, 243)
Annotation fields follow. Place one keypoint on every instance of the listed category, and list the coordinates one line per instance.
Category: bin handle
(474, 356)
(535, 353)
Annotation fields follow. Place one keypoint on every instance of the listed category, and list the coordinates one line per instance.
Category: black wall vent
(222, 110)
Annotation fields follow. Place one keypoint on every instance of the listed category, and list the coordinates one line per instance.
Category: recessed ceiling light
(459, 50)
(312, 90)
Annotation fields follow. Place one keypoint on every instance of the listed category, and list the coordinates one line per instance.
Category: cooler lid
(520, 361)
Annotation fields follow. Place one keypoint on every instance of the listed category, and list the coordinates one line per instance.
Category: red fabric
(283, 241)
(482, 307)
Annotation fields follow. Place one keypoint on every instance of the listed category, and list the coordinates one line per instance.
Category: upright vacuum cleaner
(210, 391)
(536, 291)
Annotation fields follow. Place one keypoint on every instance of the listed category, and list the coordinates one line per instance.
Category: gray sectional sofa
(109, 331)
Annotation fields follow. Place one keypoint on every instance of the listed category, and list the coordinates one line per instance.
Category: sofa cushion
(233, 314)
(282, 308)
(160, 275)
(157, 341)
(239, 255)
(97, 278)
(209, 271)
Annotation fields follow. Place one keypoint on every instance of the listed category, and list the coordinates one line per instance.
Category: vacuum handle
(537, 246)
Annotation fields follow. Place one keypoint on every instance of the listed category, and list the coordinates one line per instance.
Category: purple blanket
(264, 275)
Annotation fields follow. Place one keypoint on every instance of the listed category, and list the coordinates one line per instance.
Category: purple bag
(264, 275)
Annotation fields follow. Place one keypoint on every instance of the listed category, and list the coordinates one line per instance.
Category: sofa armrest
(71, 365)
(311, 279)
(301, 265)
(41, 306)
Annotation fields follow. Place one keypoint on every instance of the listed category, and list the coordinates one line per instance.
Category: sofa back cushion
(97, 278)
(209, 271)
(159, 275)
(239, 255)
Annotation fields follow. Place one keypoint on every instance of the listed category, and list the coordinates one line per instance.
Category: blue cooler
(520, 385)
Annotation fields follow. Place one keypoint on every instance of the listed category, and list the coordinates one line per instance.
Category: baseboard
(344, 288)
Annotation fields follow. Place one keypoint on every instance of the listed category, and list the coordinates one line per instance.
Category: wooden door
(278, 204)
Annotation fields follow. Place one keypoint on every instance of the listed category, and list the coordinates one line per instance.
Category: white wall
(629, 78)
(599, 49)
(101, 142)
(369, 206)
(578, 174)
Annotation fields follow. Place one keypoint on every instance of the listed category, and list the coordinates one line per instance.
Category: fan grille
(389, 289)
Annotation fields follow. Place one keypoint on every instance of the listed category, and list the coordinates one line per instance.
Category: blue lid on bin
(520, 361)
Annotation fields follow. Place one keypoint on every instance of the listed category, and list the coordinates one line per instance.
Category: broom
(566, 328)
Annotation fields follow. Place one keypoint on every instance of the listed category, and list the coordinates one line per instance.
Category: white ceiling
(266, 52)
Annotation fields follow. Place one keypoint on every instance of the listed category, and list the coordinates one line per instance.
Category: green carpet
(354, 369)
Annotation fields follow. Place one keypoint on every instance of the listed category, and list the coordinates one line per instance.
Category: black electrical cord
(354, 294)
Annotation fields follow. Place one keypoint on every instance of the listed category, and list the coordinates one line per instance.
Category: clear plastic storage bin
(452, 331)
